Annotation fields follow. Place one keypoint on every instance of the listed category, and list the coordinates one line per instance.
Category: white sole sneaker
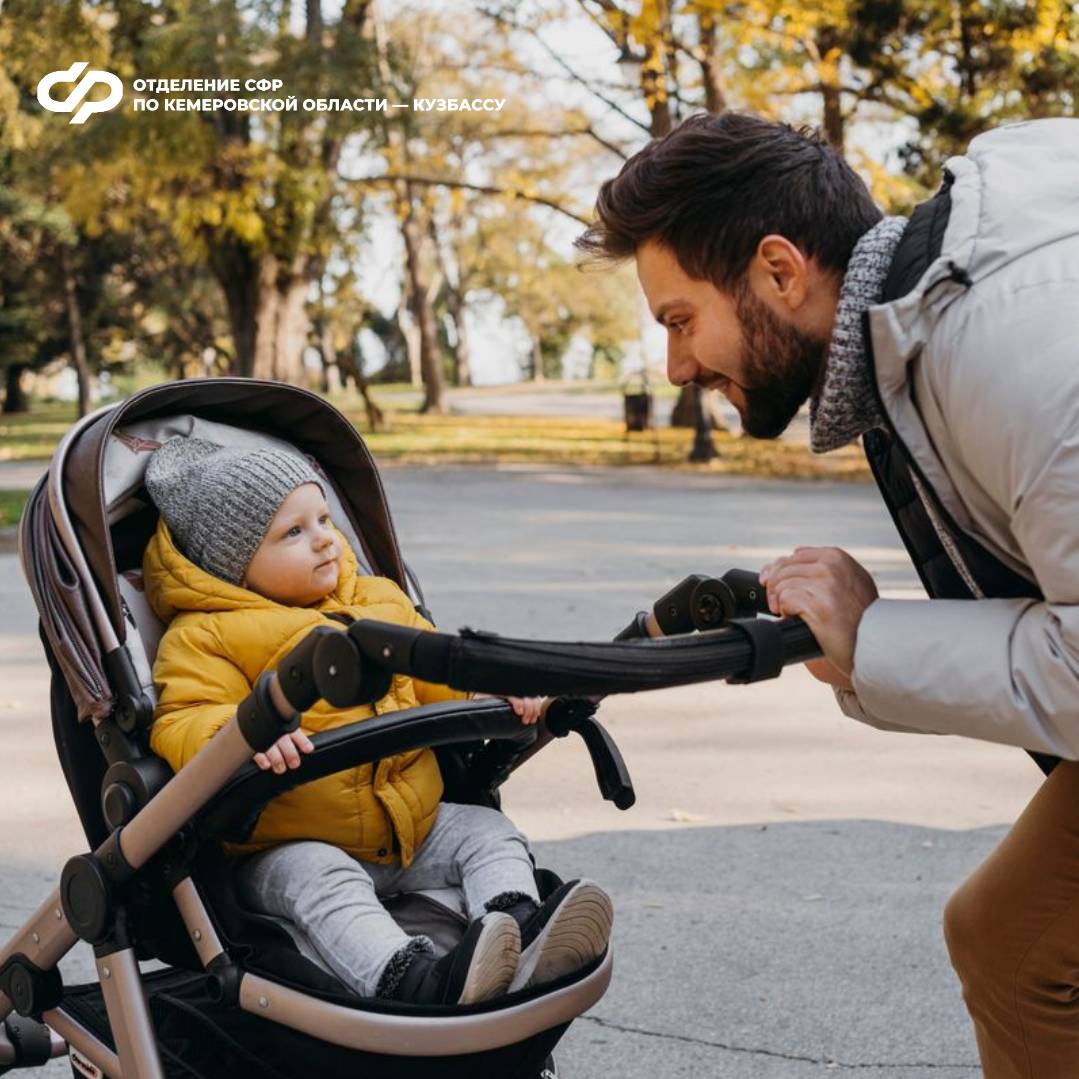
(494, 961)
(576, 932)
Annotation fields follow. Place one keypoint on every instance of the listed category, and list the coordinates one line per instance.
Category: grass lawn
(11, 504)
(415, 439)
(33, 435)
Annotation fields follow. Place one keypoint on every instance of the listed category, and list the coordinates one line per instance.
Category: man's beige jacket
(982, 385)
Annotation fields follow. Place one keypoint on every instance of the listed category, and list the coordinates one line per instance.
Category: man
(950, 344)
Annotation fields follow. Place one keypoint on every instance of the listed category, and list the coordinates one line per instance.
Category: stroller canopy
(73, 554)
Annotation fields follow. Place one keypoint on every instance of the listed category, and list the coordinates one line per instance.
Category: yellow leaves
(245, 223)
(897, 194)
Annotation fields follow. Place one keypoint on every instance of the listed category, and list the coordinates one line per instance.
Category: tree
(447, 170)
(249, 196)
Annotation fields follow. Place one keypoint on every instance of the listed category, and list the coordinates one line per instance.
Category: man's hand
(528, 708)
(830, 591)
(285, 752)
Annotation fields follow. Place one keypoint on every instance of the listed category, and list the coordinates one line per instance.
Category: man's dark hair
(716, 185)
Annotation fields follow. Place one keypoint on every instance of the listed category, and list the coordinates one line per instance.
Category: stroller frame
(154, 823)
(158, 820)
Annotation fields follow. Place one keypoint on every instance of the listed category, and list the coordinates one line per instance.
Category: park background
(779, 883)
(407, 262)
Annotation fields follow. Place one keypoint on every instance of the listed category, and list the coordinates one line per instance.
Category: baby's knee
(488, 825)
(296, 876)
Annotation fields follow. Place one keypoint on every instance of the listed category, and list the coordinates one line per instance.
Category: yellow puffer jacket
(221, 637)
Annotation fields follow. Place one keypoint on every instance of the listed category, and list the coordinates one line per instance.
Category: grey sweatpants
(334, 899)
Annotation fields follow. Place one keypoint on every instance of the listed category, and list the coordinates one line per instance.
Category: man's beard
(780, 365)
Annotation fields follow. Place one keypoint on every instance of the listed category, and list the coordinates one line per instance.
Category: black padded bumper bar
(485, 661)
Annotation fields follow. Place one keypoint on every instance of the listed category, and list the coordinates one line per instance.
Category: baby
(245, 562)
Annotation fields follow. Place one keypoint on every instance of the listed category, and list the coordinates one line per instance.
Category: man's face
(731, 342)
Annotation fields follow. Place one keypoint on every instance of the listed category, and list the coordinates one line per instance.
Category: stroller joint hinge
(134, 710)
(223, 981)
(129, 785)
(88, 890)
(30, 989)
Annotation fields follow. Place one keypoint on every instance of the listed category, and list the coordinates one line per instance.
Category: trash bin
(638, 410)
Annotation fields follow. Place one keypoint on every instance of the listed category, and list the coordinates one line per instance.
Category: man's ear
(779, 272)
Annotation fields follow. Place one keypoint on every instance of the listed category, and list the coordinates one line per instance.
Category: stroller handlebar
(742, 650)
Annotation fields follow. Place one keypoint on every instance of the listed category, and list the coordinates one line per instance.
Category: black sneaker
(570, 929)
(480, 967)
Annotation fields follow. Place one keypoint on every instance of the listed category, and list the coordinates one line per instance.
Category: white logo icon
(74, 101)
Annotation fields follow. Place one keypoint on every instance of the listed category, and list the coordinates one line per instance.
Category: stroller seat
(238, 988)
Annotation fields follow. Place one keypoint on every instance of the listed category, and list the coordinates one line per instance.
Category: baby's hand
(528, 708)
(284, 752)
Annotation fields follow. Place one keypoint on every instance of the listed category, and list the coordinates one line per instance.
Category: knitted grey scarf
(845, 407)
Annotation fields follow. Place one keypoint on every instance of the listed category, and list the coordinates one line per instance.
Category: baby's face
(298, 560)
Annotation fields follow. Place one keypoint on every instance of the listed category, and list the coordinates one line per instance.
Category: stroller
(235, 992)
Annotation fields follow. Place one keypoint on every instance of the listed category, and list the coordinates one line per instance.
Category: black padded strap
(766, 649)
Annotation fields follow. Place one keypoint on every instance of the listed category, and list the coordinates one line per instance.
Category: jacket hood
(1015, 191)
(174, 583)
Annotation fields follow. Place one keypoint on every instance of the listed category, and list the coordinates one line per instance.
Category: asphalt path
(778, 885)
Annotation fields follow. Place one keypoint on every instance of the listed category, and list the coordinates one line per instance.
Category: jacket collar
(174, 583)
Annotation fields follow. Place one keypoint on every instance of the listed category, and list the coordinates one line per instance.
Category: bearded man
(949, 343)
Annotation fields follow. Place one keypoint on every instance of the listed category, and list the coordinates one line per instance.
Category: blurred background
(416, 264)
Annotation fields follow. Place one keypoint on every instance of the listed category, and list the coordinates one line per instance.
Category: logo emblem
(74, 101)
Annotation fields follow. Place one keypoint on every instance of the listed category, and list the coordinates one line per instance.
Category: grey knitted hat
(218, 501)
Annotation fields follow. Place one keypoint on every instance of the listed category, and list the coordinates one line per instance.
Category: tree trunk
(74, 328)
(423, 313)
(352, 361)
(15, 397)
(462, 358)
(455, 305)
(314, 21)
(293, 326)
(238, 277)
(830, 51)
(330, 379)
(537, 361)
(281, 324)
(266, 318)
(715, 101)
(684, 413)
(410, 334)
(654, 86)
(833, 116)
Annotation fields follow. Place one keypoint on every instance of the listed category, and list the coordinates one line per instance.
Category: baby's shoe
(480, 967)
(570, 929)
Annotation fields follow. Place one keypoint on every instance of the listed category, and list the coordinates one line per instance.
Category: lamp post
(704, 448)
